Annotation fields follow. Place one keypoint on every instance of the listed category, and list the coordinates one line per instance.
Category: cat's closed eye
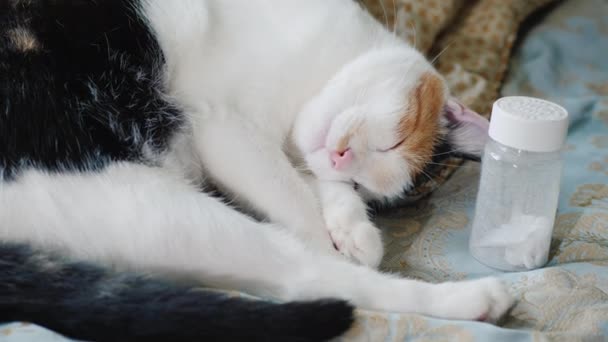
(395, 146)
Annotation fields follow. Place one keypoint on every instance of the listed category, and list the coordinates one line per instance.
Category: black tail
(84, 301)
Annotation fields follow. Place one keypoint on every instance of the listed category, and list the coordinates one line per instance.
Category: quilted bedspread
(562, 59)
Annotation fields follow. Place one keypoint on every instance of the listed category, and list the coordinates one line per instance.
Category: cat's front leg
(351, 230)
(248, 161)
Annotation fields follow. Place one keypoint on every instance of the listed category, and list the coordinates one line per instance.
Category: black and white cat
(115, 114)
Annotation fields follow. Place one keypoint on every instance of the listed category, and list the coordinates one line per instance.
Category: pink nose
(340, 160)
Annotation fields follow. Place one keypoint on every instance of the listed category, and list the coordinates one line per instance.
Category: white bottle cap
(529, 124)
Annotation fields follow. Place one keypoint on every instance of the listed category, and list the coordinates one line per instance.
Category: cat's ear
(467, 131)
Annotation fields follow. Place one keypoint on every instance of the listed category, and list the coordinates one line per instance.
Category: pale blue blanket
(564, 59)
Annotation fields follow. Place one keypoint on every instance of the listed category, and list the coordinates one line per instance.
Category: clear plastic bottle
(519, 187)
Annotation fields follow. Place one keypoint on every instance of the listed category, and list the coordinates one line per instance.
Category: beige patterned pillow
(469, 42)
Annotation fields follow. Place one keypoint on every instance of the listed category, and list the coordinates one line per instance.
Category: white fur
(292, 67)
(259, 80)
(147, 219)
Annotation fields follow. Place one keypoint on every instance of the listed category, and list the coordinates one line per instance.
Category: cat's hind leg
(86, 302)
(143, 219)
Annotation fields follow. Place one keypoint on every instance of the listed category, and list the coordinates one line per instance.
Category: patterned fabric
(563, 59)
(468, 41)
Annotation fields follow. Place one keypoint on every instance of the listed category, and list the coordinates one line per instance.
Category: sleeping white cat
(299, 110)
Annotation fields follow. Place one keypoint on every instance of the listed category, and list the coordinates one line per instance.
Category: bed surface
(562, 59)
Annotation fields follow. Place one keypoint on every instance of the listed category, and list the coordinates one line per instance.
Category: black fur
(86, 302)
(80, 87)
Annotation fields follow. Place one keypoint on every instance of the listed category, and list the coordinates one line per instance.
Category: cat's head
(379, 122)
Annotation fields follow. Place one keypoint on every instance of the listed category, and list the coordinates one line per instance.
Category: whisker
(440, 53)
(394, 18)
(440, 164)
(415, 34)
(444, 153)
(422, 172)
(385, 14)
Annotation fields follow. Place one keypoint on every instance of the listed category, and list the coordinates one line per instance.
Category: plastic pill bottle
(520, 182)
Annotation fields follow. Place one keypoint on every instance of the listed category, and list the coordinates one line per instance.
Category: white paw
(320, 243)
(485, 299)
(361, 242)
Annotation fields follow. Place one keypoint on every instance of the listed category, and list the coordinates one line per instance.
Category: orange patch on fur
(419, 125)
